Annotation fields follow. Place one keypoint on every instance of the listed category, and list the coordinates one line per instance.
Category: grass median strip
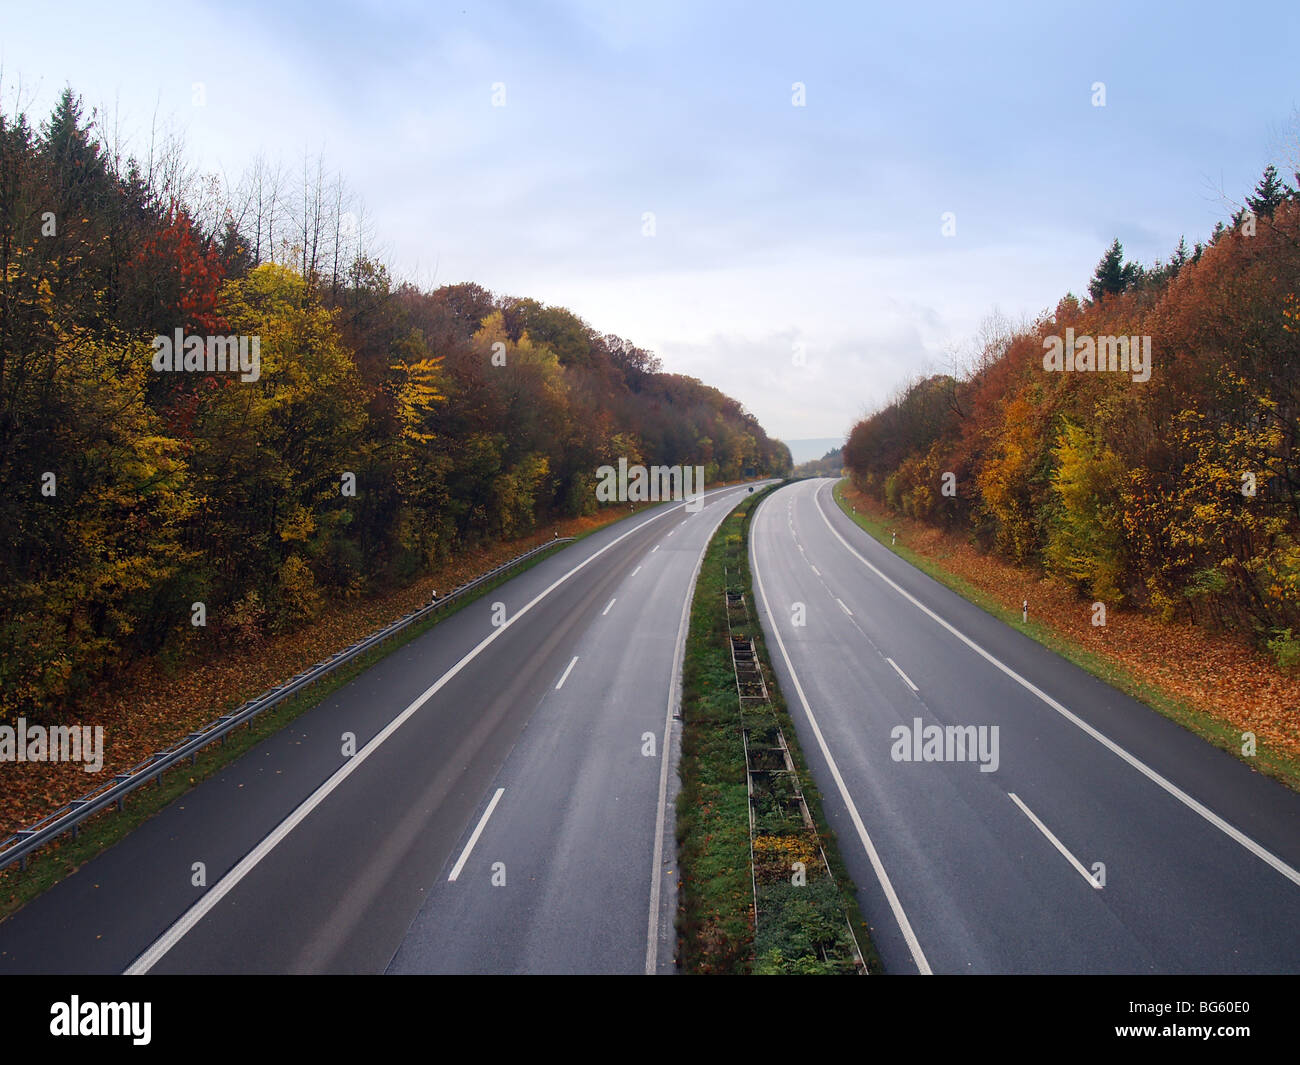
(804, 916)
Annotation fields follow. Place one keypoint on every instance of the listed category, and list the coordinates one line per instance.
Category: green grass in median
(797, 924)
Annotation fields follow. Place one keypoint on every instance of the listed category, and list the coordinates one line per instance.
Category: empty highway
(508, 807)
(1001, 810)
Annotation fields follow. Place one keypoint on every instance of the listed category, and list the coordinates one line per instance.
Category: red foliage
(182, 277)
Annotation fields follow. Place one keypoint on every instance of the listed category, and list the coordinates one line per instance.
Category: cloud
(774, 224)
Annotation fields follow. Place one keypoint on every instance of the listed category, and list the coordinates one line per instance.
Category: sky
(656, 168)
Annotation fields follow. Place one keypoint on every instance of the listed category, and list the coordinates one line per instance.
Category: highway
(508, 807)
(1088, 834)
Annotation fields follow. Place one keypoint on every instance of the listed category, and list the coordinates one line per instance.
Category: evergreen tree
(1269, 193)
(1113, 274)
(73, 154)
(233, 250)
(1180, 257)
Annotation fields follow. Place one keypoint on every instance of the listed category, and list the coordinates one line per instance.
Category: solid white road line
(191, 917)
(815, 569)
(478, 831)
(607, 608)
(843, 607)
(565, 675)
(906, 679)
(1177, 792)
(918, 956)
(1056, 842)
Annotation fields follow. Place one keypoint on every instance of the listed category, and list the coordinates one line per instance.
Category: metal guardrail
(17, 847)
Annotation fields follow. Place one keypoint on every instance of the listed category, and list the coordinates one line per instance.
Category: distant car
(751, 487)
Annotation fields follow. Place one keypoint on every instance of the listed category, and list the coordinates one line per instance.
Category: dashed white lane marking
(1056, 842)
(843, 607)
(607, 608)
(478, 831)
(567, 671)
(906, 679)
(636, 571)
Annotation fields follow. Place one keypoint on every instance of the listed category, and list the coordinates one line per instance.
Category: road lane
(338, 892)
(982, 885)
(561, 880)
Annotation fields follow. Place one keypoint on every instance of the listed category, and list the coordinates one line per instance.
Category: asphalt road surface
(508, 807)
(1096, 836)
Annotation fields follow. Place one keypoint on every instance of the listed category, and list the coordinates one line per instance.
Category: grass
(716, 896)
(1274, 762)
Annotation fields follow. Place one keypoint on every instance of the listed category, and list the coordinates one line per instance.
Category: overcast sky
(797, 260)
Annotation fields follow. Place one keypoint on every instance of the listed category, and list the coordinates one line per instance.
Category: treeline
(383, 428)
(1179, 494)
(830, 464)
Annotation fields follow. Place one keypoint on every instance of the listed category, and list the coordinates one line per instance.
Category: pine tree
(1269, 193)
(1180, 257)
(1113, 275)
(233, 250)
(73, 153)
